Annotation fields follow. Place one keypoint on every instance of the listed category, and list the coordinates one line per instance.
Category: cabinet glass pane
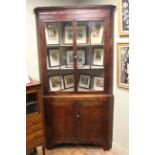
(60, 62)
(31, 103)
(90, 55)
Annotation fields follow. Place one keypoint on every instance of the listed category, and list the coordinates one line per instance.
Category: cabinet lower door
(90, 122)
(61, 122)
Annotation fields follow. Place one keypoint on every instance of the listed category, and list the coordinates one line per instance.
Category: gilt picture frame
(123, 65)
(123, 17)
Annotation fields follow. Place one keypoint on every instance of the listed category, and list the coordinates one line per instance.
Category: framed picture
(81, 34)
(69, 81)
(68, 34)
(98, 57)
(69, 58)
(54, 57)
(123, 17)
(96, 32)
(84, 81)
(56, 83)
(98, 83)
(80, 57)
(51, 33)
(123, 65)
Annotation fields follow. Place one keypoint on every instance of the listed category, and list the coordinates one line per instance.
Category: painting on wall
(123, 65)
(123, 17)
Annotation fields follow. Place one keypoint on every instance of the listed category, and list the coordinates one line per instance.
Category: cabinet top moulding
(42, 9)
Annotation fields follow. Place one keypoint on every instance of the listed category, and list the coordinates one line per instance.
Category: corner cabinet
(76, 69)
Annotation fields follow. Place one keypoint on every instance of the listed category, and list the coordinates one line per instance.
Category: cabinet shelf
(31, 103)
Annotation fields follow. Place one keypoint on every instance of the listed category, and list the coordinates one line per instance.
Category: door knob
(77, 115)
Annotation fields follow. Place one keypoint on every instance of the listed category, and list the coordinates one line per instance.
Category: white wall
(121, 104)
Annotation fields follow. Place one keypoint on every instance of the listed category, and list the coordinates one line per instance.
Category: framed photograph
(81, 34)
(123, 65)
(51, 33)
(54, 57)
(123, 17)
(84, 81)
(98, 57)
(69, 81)
(56, 83)
(98, 83)
(97, 33)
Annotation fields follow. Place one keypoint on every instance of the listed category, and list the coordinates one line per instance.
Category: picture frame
(51, 33)
(69, 81)
(81, 34)
(56, 83)
(98, 57)
(69, 58)
(80, 57)
(96, 36)
(54, 57)
(98, 83)
(84, 81)
(123, 17)
(68, 34)
(123, 65)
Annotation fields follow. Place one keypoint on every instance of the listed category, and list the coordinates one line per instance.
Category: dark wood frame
(69, 102)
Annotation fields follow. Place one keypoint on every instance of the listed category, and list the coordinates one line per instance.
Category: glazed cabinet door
(90, 122)
(60, 121)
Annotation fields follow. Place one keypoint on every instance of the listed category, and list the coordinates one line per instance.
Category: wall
(121, 104)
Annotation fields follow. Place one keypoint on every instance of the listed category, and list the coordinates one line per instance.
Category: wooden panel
(33, 119)
(33, 128)
(90, 122)
(61, 119)
(35, 142)
(34, 135)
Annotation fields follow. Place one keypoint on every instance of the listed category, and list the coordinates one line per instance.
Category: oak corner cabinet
(76, 70)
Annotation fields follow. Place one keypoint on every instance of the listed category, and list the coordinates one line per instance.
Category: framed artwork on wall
(123, 17)
(123, 65)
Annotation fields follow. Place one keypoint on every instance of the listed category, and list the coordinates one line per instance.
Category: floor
(78, 150)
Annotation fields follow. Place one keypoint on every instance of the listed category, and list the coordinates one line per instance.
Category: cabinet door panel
(90, 124)
(61, 120)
